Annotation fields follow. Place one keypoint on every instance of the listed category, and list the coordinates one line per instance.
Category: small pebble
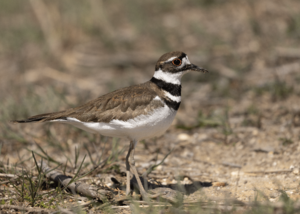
(296, 171)
(183, 137)
(274, 194)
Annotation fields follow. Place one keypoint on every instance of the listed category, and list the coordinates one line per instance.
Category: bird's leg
(128, 168)
(132, 165)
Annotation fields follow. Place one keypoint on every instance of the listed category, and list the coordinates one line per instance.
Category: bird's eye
(176, 62)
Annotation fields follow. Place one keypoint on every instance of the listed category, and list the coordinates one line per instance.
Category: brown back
(121, 104)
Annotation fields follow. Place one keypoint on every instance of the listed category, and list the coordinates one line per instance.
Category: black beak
(193, 67)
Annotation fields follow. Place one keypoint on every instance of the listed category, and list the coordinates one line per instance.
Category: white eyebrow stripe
(174, 57)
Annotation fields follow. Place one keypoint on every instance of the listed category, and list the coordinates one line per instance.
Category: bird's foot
(147, 196)
(167, 194)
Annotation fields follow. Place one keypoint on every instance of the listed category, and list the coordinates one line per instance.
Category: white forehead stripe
(173, 78)
(185, 60)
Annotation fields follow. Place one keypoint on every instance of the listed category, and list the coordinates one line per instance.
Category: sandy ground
(236, 135)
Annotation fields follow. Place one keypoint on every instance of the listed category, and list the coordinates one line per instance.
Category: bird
(136, 112)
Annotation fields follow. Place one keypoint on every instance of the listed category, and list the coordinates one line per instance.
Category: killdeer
(136, 112)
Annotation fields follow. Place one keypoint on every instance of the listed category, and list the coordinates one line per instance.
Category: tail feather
(28, 120)
(39, 118)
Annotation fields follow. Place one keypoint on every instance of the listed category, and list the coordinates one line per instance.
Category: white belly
(141, 127)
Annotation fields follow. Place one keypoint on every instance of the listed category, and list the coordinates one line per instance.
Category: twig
(68, 211)
(3, 166)
(237, 183)
(3, 175)
(265, 150)
(65, 211)
(5, 199)
(145, 202)
(231, 165)
(120, 207)
(271, 171)
(20, 208)
(80, 188)
(287, 52)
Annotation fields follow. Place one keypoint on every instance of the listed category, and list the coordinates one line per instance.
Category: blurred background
(59, 54)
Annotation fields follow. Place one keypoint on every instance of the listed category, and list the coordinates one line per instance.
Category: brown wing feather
(121, 104)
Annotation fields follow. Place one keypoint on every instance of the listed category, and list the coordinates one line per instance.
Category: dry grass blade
(47, 25)
(152, 167)
(45, 156)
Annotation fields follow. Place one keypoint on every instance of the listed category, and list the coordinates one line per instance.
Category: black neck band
(173, 89)
(172, 104)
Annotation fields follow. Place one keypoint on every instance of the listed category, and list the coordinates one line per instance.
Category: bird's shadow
(186, 189)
